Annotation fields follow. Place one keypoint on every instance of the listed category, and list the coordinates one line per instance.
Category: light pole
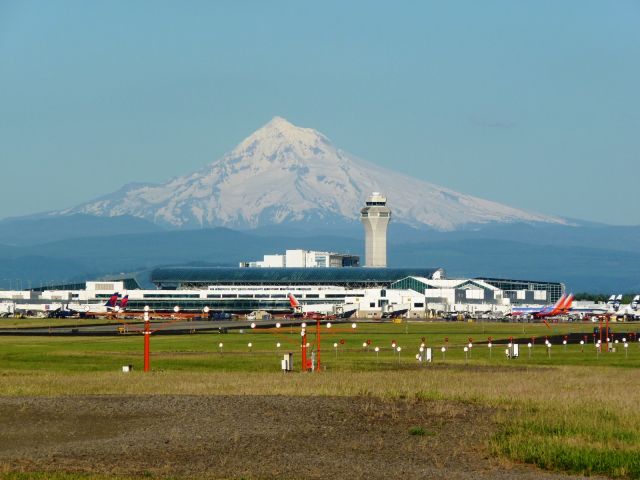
(147, 335)
(318, 344)
(303, 334)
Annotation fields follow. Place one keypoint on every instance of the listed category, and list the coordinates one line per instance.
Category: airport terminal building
(313, 277)
(373, 292)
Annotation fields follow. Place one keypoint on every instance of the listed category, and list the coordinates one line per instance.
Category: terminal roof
(176, 277)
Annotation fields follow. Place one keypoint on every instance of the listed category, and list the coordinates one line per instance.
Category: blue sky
(534, 104)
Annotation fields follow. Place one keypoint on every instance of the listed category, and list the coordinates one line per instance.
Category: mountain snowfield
(284, 174)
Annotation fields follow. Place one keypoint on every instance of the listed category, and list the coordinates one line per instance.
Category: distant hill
(37, 229)
(582, 268)
(608, 237)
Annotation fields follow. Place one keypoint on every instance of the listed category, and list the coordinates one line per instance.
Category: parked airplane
(37, 309)
(395, 313)
(561, 307)
(7, 309)
(121, 305)
(630, 310)
(612, 307)
(613, 303)
(566, 307)
(320, 311)
(114, 304)
(62, 309)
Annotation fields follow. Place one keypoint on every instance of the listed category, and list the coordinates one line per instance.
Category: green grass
(201, 352)
(597, 440)
(417, 431)
(572, 411)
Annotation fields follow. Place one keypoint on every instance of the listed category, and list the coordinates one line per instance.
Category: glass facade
(129, 284)
(356, 277)
(410, 283)
(510, 287)
(237, 305)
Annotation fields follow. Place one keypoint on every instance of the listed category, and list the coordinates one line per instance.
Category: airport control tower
(375, 218)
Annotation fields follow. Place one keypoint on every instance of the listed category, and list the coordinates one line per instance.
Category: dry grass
(491, 385)
(567, 418)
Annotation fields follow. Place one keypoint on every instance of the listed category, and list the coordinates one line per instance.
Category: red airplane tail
(557, 308)
(113, 299)
(293, 301)
(567, 304)
(124, 302)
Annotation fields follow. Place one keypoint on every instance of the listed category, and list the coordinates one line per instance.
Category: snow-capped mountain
(283, 173)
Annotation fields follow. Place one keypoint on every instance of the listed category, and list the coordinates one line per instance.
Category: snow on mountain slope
(283, 173)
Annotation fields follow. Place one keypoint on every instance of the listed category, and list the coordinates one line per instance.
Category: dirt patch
(251, 437)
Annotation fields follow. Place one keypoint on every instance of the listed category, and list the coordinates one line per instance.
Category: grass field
(569, 409)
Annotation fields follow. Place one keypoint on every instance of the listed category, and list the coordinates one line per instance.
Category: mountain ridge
(284, 174)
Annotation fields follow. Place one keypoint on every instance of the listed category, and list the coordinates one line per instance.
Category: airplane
(7, 309)
(612, 307)
(114, 304)
(630, 310)
(561, 307)
(566, 307)
(37, 309)
(395, 313)
(319, 311)
(61, 309)
(613, 303)
(121, 305)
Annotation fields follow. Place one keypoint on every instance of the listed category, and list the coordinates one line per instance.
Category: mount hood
(284, 174)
